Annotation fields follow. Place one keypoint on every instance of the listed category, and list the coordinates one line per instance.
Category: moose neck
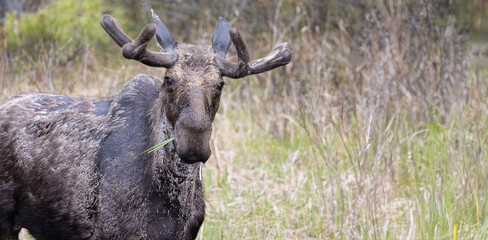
(176, 184)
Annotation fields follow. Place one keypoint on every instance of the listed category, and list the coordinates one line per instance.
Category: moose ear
(163, 35)
(221, 38)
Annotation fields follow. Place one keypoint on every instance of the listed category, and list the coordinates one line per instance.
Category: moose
(74, 167)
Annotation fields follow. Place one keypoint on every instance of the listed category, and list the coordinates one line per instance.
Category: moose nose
(192, 144)
(193, 157)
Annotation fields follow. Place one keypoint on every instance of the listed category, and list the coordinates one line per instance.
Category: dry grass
(377, 135)
(379, 132)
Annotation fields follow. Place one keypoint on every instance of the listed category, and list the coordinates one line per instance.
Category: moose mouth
(192, 144)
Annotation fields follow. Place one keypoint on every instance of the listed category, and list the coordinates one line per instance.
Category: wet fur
(72, 168)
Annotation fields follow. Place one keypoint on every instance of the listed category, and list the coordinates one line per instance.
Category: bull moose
(73, 167)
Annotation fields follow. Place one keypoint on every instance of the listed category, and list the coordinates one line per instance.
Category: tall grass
(378, 129)
(374, 132)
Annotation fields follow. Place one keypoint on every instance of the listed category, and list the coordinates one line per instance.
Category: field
(378, 129)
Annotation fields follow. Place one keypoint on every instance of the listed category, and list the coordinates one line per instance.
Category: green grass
(423, 184)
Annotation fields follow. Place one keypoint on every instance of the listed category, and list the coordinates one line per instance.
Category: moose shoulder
(72, 168)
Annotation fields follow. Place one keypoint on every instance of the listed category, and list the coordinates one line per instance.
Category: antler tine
(137, 49)
(279, 56)
(113, 28)
(241, 45)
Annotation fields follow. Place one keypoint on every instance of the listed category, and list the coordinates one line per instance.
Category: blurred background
(377, 129)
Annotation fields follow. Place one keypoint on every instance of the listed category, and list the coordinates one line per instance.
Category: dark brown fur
(72, 168)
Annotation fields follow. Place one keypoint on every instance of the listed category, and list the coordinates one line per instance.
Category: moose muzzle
(192, 140)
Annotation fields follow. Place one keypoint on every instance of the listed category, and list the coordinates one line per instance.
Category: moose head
(193, 81)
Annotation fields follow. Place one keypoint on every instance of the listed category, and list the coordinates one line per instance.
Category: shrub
(70, 22)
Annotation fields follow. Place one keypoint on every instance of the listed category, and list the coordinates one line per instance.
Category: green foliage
(71, 22)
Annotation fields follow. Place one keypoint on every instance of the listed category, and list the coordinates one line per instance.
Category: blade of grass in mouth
(153, 148)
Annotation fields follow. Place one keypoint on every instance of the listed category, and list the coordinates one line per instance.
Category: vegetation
(378, 129)
(62, 23)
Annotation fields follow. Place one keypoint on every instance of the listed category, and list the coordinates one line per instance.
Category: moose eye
(168, 80)
(220, 86)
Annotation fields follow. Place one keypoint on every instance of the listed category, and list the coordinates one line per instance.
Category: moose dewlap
(72, 168)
